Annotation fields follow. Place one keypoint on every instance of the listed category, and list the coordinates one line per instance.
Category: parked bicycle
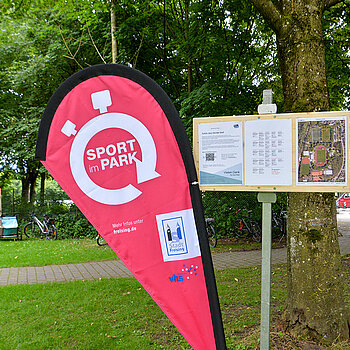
(100, 240)
(279, 224)
(41, 229)
(212, 238)
(245, 226)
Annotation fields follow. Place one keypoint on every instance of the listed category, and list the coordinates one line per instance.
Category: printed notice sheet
(268, 152)
(220, 153)
(322, 151)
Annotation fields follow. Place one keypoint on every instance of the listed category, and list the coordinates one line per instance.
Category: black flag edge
(185, 149)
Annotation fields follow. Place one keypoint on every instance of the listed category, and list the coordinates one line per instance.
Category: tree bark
(33, 175)
(315, 288)
(25, 189)
(42, 186)
(28, 186)
(301, 54)
(113, 29)
(186, 37)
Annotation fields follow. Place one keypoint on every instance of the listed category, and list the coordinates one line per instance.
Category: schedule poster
(268, 152)
(221, 153)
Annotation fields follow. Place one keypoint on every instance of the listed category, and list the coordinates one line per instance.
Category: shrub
(74, 225)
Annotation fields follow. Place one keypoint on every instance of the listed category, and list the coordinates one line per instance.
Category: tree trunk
(315, 288)
(187, 25)
(301, 53)
(32, 181)
(42, 186)
(28, 186)
(25, 189)
(113, 29)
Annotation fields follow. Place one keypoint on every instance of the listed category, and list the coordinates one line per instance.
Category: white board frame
(294, 187)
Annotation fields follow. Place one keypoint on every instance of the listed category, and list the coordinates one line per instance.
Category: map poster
(321, 151)
(220, 153)
(268, 152)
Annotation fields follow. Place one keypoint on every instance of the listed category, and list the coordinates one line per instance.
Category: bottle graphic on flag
(178, 231)
(113, 140)
(168, 231)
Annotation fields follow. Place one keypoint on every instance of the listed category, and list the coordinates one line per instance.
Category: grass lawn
(66, 251)
(119, 314)
(241, 244)
(45, 252)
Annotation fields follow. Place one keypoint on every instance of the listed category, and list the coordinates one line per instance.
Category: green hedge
(72, 225)
(70, 222)
(222, 207)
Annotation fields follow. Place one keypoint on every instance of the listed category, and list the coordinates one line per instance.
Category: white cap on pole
(267, 107)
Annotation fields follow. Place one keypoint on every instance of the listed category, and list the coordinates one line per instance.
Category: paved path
(115, 268)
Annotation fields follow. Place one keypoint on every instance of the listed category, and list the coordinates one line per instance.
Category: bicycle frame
(42, 226)
(45, 228)
(245, 222)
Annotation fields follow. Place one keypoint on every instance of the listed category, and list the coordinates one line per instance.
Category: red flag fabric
(107, 138)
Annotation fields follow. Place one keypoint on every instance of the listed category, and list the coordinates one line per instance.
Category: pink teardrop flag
(113, 140)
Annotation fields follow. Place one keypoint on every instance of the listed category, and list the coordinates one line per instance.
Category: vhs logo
(178, 235)
(187, 272)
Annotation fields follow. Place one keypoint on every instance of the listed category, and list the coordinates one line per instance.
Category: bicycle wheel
(100, 240)
(255, 231)
(277, 227)
(212, 238)
(240, 229)
(31, 230)
(52, 232)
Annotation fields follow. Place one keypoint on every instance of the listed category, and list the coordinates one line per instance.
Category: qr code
(209, 157)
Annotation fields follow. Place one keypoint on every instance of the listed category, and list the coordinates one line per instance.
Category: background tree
(315, 300)
(34, 63)
(212, 58)
(160, 38)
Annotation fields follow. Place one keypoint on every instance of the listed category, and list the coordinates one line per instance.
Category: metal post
(266, 199)
(267, 107)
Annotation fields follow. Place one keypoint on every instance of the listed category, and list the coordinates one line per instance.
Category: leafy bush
(70, 222)
(71, 225)
(222, 207)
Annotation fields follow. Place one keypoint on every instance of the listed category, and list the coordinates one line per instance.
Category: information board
(297, 152)
(221, 153)
(268, 152)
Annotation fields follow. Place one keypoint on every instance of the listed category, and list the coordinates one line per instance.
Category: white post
(267, 107)
(266, 199)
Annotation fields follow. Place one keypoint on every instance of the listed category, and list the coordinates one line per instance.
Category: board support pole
(266, 199)
(267, 107)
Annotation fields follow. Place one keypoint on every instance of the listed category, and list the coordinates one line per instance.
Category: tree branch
(68, 49)
(93, 43)
(270, 13)
(329, 3)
